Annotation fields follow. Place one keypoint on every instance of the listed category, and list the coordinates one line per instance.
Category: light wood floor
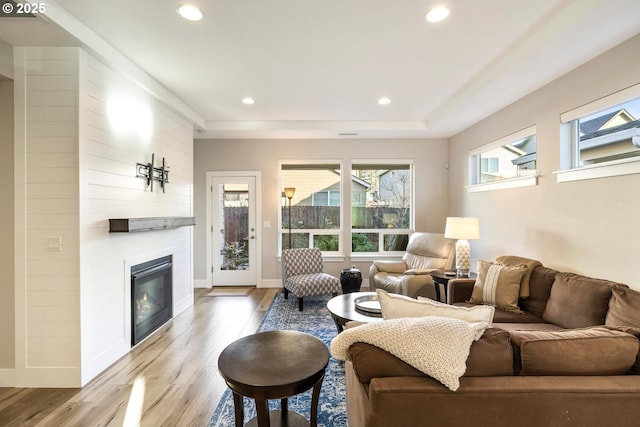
(176, 369)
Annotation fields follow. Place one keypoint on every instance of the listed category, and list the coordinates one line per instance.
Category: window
(315, 206)
(326, 198)
(601, 138)
(608, 135)
(381, 207)
(379, 195)
(507, 162)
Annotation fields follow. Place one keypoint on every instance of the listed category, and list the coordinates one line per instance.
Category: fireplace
(151, 297)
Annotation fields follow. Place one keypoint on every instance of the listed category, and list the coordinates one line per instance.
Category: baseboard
(201, 283)
(49, 378)
(270, 283)
(182, 305)
(7, 377)
(265, 283)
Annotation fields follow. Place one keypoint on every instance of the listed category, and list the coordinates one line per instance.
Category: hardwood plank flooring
(174, 372)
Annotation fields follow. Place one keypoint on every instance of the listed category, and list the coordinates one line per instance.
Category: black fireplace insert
(151, 297)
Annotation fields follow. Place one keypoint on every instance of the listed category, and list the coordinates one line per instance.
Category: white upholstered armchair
(425, 252)
(302, 275)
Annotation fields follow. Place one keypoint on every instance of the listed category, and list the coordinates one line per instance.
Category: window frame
(474, 159)
(312, 232)
(570, 170)
(382, 232)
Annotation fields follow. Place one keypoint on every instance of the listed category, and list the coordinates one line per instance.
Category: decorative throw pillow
(498, 285)
(394, 306)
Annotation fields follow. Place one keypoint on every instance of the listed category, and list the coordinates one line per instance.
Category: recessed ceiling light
(190, 12)
(248, 101)
(384, 101)
(437, 14)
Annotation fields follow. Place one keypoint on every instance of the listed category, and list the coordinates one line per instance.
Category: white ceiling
(317, 68)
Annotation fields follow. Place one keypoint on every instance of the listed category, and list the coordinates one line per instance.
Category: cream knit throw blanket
(437, 346)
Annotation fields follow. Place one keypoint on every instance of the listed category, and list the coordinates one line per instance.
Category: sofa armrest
(459, 290)
(419, 271)
(389, 266)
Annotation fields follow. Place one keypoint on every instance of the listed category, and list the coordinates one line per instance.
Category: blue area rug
(315, 320)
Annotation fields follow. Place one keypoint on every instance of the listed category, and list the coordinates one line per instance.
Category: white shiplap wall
(109, 189)
(51, 351)
(72, 318)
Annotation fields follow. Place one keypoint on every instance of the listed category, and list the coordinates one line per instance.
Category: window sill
(373, 257)
(325, 258)
(524, 181)
(602, 170)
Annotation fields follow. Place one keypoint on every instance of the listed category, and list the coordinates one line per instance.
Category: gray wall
(590, 227)
(430, 157)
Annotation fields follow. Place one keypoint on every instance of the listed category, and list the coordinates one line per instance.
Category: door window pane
(234, 226)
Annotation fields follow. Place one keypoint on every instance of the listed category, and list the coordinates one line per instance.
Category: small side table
(440, 278)
(274, 365)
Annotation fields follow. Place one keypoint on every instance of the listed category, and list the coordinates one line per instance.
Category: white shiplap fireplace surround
(81, 126)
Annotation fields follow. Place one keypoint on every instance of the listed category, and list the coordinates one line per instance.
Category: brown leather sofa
(569, 359)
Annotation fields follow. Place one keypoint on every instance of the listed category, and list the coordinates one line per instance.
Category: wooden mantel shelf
(129, 225)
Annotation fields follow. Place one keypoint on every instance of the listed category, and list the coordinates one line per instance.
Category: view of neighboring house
(517, 158)
(611, 136)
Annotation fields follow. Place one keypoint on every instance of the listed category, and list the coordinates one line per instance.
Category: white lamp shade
(465, 228)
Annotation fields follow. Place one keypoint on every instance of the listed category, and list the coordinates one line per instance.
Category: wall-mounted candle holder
(151, 173)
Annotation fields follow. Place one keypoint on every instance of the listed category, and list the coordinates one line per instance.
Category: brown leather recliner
(410, 276)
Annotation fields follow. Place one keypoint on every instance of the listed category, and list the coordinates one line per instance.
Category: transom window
(512, 157)
(608, 135)
(601, 138)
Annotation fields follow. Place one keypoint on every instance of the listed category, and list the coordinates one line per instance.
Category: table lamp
(463, 229)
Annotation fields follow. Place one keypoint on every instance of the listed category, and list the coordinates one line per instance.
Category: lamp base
(463, 258)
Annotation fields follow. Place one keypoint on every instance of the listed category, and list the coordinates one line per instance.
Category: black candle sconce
(151, 173)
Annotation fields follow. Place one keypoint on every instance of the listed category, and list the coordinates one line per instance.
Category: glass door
(233, 231)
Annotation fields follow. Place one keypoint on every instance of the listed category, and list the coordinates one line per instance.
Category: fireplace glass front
(151, 297)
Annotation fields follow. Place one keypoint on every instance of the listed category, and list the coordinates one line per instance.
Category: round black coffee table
(343, 309)
(274, 365)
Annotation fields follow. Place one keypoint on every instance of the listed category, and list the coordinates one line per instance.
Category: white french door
(233, 256)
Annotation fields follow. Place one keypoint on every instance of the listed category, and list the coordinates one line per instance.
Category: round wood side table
(274, 365)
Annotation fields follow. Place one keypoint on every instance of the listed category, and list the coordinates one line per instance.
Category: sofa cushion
(624, 308)
(498, 285)
(590, 351)
(540, 284)
(577, 301)
(490, 356)
(504, 316)
(394, 306)
(635, 369)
